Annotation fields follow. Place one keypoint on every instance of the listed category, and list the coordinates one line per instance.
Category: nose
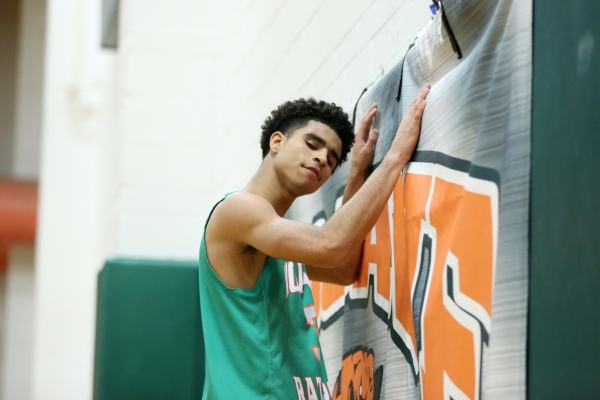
(321, 156)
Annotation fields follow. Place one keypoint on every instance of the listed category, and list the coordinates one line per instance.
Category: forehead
(324, 132)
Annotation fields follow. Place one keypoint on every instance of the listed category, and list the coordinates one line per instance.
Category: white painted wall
(138, 144)
(3, 328)
(17, 338)
(167, 99)
(71, 247)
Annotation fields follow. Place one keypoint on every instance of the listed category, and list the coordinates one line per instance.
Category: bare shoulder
(237, 214)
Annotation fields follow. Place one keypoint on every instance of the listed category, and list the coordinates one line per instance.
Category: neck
(266, 184)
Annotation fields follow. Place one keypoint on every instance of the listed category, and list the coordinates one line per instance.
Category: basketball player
(258, 315)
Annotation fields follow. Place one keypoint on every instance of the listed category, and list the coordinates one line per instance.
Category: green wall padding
(564, 309)
(148, 331)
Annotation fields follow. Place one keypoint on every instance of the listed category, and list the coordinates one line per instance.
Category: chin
(311, 191)
(303, 190)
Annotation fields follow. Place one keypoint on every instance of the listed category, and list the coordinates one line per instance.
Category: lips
(315, 171)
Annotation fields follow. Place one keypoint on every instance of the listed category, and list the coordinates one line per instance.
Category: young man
(258, 315)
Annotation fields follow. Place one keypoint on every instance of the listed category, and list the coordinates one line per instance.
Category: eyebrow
(324, 143)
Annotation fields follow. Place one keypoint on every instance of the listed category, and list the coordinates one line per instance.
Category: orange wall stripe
(18, 215)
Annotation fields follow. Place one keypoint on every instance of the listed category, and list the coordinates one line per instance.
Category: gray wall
(9, 32)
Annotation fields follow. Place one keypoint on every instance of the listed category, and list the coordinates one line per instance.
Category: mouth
(315, 172)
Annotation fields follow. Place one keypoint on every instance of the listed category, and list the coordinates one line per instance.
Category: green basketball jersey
(261, 343)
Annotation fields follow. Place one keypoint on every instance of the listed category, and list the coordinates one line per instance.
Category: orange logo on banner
(376, 262)
(358, 379)
(431, 260)
(450, 250)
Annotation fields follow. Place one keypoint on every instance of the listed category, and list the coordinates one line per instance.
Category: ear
(276, 141)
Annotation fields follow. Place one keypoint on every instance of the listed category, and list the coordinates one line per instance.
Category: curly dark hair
(296, 114)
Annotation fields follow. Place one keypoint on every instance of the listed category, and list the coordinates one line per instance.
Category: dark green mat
(148, 331)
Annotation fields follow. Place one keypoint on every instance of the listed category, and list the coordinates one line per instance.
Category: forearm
(348, 273)
(343, 275)
(352, 222)
(355, 181)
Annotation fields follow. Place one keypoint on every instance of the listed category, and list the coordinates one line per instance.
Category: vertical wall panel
(9, 32)
(565, 200)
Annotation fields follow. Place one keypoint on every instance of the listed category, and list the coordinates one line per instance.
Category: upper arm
(251, 220)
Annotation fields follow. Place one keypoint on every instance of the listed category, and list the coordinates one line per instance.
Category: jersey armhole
(207, 261)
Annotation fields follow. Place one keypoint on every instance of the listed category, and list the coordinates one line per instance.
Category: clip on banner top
(355, 106)
(435, 7)
(402, 73)
(440, 7)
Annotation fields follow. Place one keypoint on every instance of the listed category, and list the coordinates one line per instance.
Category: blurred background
(123, 121)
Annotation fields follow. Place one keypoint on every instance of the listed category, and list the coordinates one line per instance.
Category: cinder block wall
(168, 127)
(198, 79)
(275, 51)
(139, 143)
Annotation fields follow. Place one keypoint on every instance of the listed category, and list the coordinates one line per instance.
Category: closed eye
(313, 147)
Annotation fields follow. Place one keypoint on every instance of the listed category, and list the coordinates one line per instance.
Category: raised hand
(362, 153)
(409, 130)
(364, 142)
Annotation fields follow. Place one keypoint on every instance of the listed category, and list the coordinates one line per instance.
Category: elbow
(332, 253)
(348, 277)
(353, 277)
(348, 263)
(346, 266)
(337, 255)
(339, 259)
(334, 248)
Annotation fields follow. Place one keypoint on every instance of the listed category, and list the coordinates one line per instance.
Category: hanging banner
(439, 310)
